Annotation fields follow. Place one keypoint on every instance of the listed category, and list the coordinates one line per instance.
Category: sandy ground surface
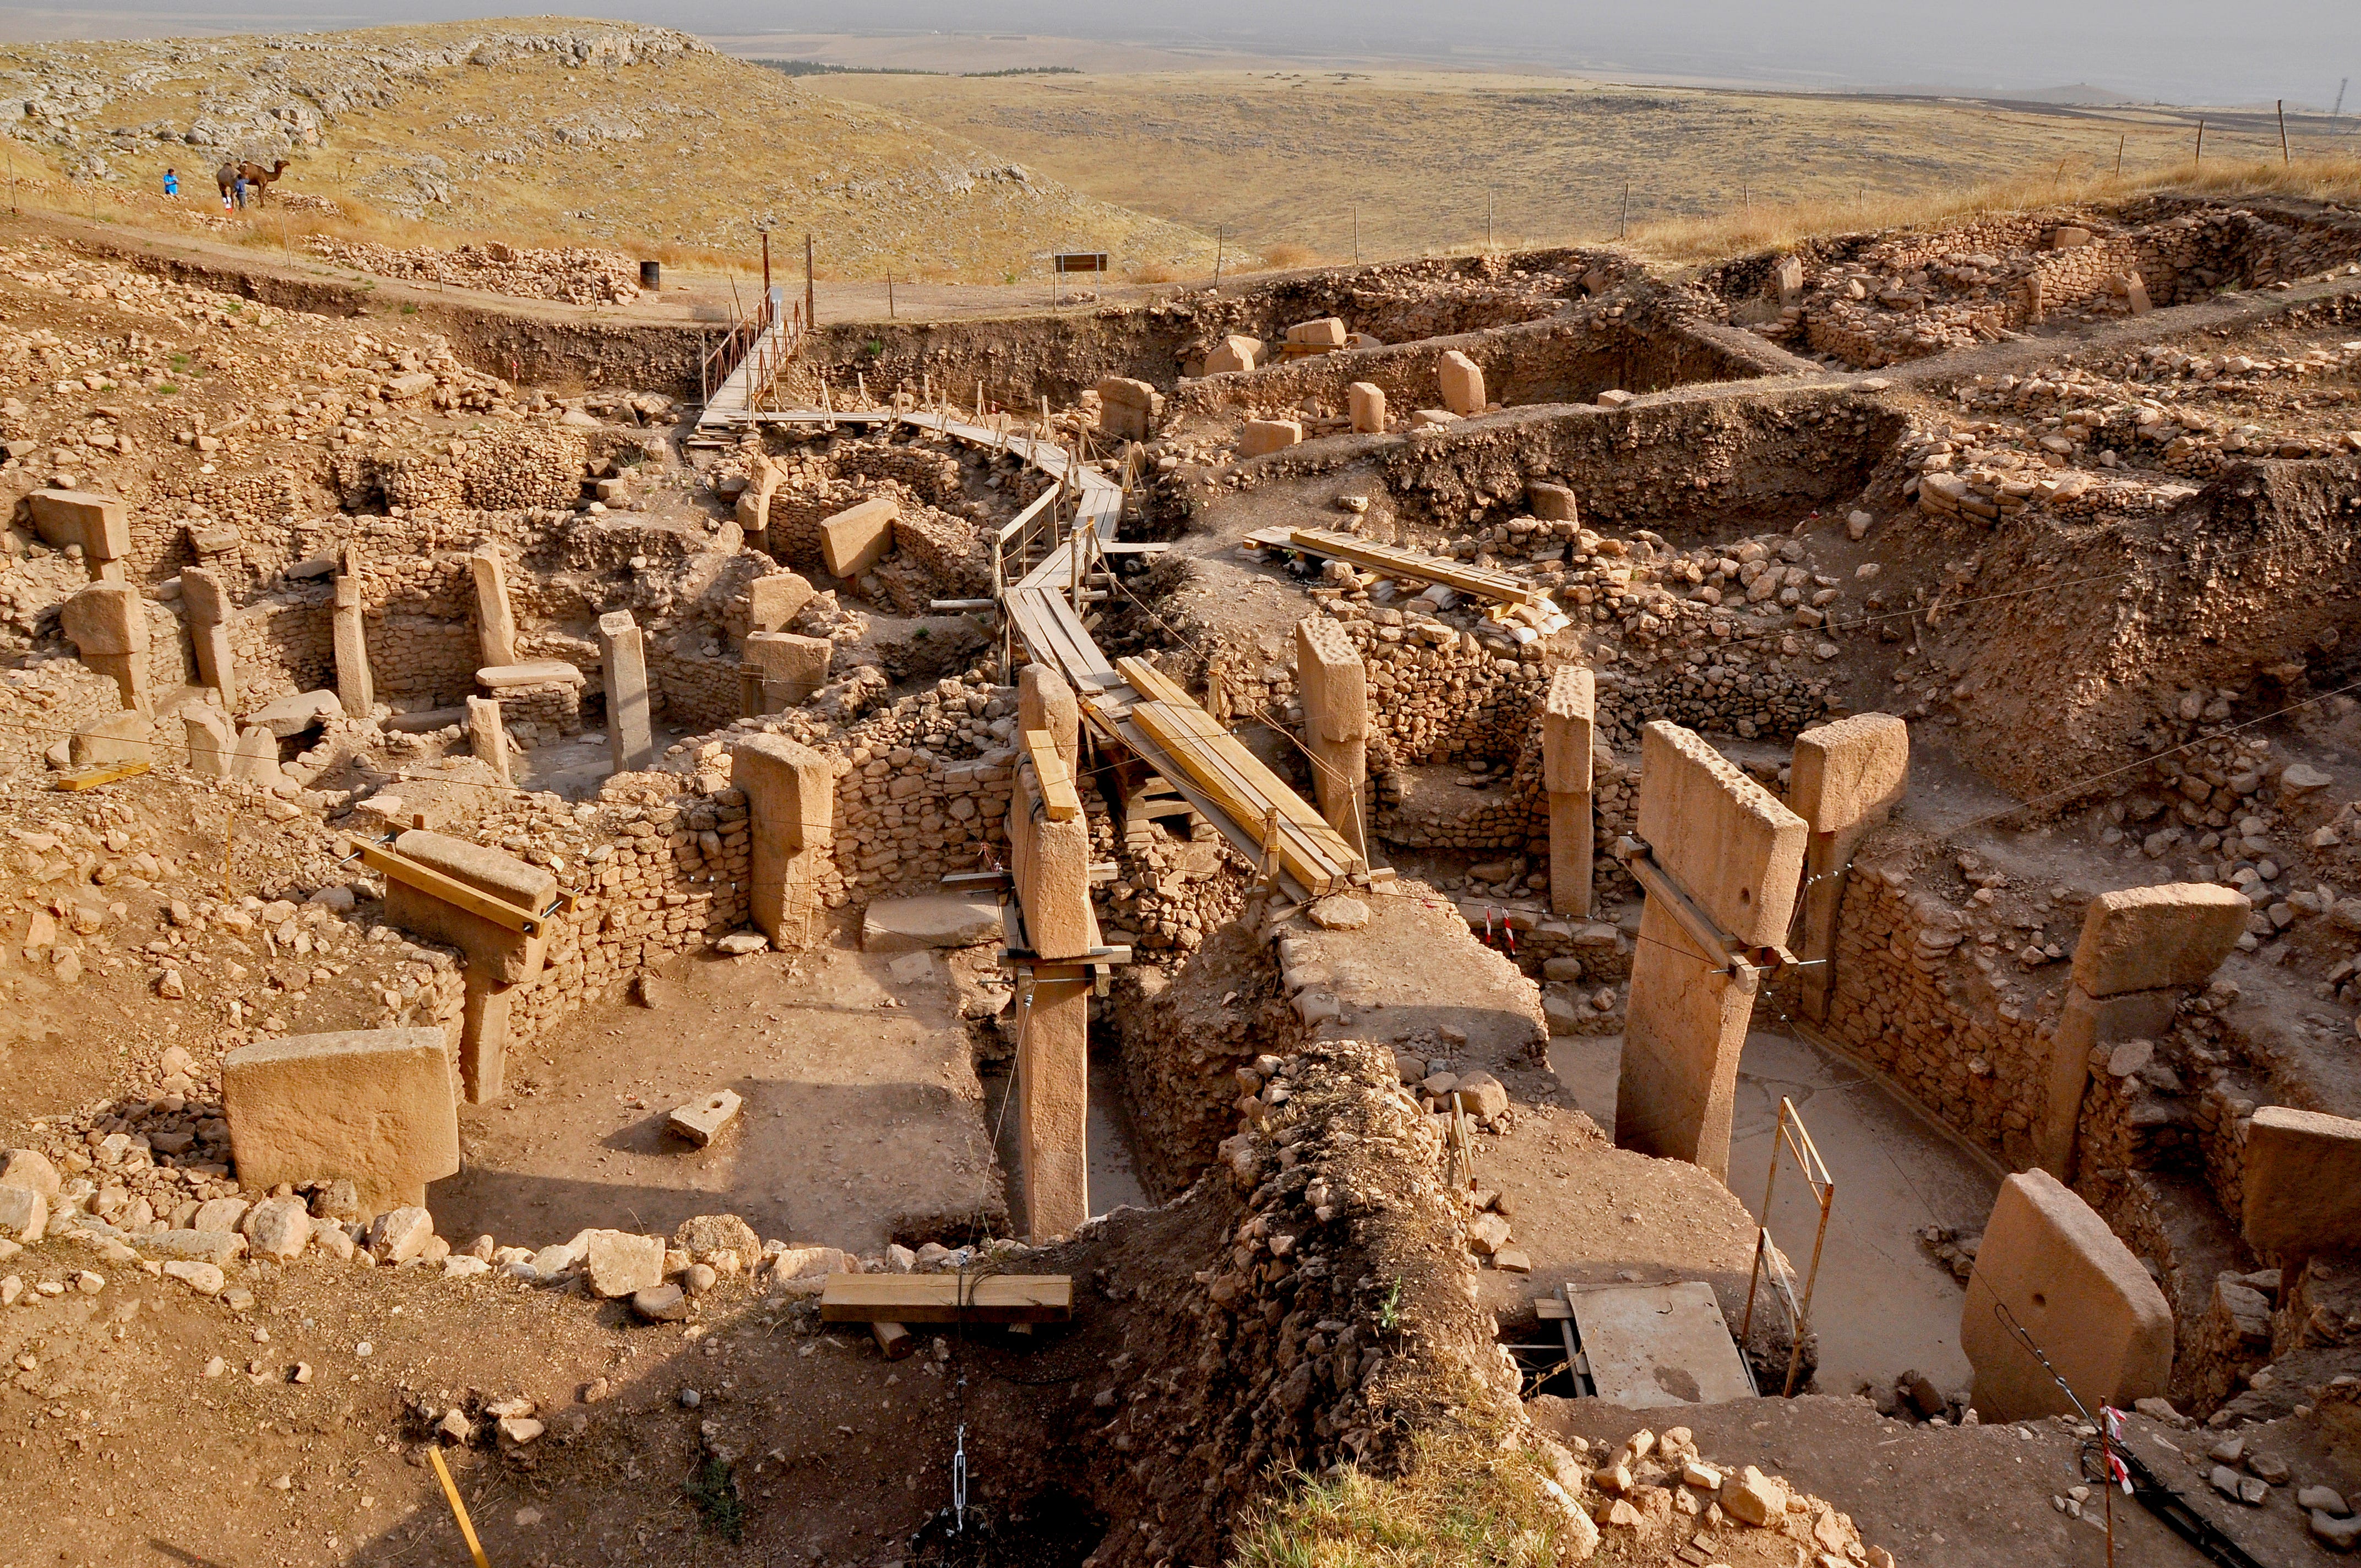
(123, 1450)
(1973, 1496)
(1884, 1305)
(862, 1122)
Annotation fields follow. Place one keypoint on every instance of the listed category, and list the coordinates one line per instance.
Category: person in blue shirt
(171, 182)
(239, 190)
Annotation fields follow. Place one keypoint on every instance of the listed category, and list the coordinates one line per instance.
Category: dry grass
(1768, 227)
(1286, 257)
(677, 163)
(1463, 1503)
(1293, 156)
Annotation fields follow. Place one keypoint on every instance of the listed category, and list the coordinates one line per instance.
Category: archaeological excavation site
(1604, 911)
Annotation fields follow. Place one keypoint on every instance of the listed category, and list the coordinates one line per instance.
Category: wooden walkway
(1127, 702)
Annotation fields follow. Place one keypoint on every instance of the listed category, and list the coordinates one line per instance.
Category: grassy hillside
(552, 131)
(1281, 158)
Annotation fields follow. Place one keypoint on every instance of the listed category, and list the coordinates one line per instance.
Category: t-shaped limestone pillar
(1043, 701)
(108, 625)
(354, 688)
(206, 602)
(1847, 776)
(2141, 951)
(1335, 684)
(1569, 731)
(487, 737)
(495, 621)
(780, 669)
(1049, 863)
(1366, 401)
(791, 816)
(1736, 852)
(371, 1106)
(2077, 1291)
(623, 660)
(96, 522)
(500, 960)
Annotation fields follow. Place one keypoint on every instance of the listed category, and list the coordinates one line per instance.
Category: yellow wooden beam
(450, 890)
(1058, 797)
(91, 778)
(946, 1298)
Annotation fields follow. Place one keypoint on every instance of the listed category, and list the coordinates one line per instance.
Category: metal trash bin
(652, 275)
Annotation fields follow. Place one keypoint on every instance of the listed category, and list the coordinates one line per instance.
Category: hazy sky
(2182, 50)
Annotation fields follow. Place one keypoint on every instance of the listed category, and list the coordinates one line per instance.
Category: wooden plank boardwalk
(1129, 703)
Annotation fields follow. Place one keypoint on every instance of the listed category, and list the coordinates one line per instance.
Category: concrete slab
(1658, 1346)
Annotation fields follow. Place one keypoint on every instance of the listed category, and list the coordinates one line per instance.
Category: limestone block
(374, 1107)
(1851, 772)
(256, 760)
(772, 601)
(213, 741)
(125, 736)
(1235, 352)
(929, 920)
(791, 812)
(1704, 816)
(106, 619)
(1053, 1101)
(783, 659)
(2303, 1192)
(1552, 503)
(858, 537)
(534, 673)
(495, 621)
(620, 1264)
(293, 714)
(1331, 680)
(1050, 862)
(1463, 383)
(2051, 1261)
(702, 1121)
(2140, 938)
(1045, 701)
(1327, 332)
(204, 600)
(1128, 409)
(496, 952)
(1569, 718)
(2084, 1022)
(488, 739)
(1366, 401)
(100, 524)
(623, 665)
(1263, 437)
(1787, 280)
(30, 1170)
(354, 688)
(24, 1214)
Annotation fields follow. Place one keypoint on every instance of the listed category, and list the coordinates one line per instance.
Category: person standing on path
(171, 182)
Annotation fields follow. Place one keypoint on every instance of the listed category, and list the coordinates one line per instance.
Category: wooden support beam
(451, 890)
(91, 778)
(1058, 795)
(946, 1298)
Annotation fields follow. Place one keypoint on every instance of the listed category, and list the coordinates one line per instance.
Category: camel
(258, 180)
